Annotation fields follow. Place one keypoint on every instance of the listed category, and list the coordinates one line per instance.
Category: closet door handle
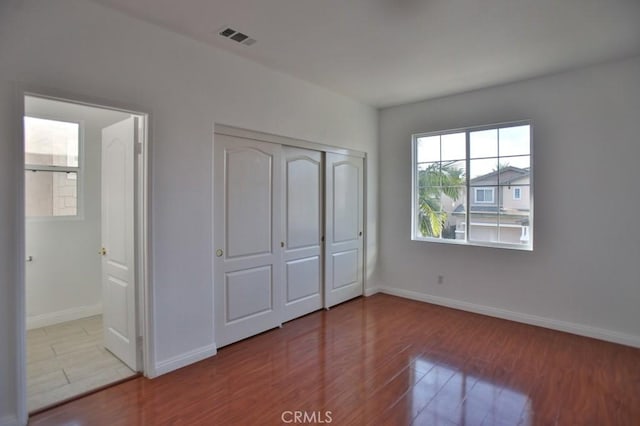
(219, 252)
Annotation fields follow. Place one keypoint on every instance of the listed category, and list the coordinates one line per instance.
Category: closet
(288, 230)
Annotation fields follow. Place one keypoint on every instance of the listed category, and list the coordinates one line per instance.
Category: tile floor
(67, 359)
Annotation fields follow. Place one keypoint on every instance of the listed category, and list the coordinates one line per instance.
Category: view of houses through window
(51, 167)
(474, 186)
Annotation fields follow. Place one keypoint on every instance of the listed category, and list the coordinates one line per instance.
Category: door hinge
(138, 148)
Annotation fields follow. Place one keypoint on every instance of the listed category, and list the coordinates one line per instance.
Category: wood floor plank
(384, 360)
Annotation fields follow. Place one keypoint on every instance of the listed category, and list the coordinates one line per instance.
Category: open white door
(302, 224)
(247, 238)
(118, 245)
(344, 228)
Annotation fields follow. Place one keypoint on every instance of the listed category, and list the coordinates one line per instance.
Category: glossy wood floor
(384, 361)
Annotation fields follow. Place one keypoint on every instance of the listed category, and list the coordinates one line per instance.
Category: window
(517, 193)
(474, 186)
(484, 195)
(51, 167)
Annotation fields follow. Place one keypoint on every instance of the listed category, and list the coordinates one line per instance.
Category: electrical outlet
(440, 279)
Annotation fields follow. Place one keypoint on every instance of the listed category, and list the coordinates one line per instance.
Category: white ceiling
(388, 52)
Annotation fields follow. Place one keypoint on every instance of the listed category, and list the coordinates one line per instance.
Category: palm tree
(433, 182)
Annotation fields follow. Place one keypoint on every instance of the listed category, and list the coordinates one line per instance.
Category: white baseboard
(371, 291)
(43, 320)
(569, 327)
(9, 421)
(183, 360)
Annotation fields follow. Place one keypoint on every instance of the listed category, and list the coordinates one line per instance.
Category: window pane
(483, 172)
(428, 149)
(453, 173)
(454, 147)
(50, 142)
(514, 140)
(483, 227)
(483, 143)
(429, 212)
(510, 200)
(454, 200)
(514, 215)
(50, 194)
(452, 197)
(429, 174)
(514, 170)
(514, 227)
(521, 162)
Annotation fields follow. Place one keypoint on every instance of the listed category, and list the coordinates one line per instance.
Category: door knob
(219, 252)
(103, 251)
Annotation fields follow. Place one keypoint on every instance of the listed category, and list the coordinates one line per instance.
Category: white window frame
(482, 188)
(415, 236)
(79, 171)
(517, 190)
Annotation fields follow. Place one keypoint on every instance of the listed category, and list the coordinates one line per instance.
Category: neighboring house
(499, 208)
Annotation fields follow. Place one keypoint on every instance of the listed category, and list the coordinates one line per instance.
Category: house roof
(506, 175)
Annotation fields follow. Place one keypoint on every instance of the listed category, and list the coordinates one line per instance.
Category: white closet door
(344, 228)
(302, 225)
(247, 253)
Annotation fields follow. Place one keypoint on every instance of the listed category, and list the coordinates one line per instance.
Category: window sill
(519, 247)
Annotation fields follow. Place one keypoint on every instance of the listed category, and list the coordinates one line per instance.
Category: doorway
(85, 192)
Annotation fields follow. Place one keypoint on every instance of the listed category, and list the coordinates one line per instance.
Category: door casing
(144, 309)
(220, 129)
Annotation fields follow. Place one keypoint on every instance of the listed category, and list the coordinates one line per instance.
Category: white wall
(63, 280)
(83, 48)
(584, 272)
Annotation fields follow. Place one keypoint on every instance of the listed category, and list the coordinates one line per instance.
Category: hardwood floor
(383, 360)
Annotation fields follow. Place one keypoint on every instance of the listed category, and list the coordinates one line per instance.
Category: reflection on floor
(383, 360)
(65, 360)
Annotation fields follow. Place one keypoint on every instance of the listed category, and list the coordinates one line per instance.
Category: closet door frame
(221, 129)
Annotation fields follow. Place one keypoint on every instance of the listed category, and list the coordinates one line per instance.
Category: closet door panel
(247, 226)
(302, 222)
(344, 222)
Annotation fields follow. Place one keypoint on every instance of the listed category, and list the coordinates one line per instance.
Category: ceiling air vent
(239, 37)
(227, 32)
(236, 36)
